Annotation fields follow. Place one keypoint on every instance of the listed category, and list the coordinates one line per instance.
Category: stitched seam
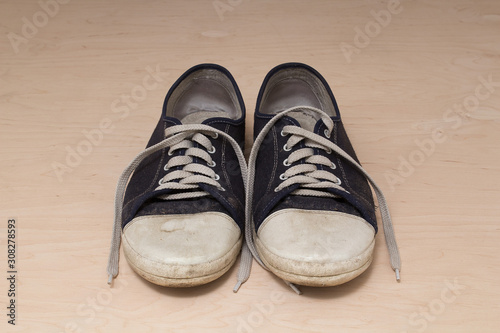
(335, 140)
(223, 158)
(275, 165)
(270, 203)
(322, 152)
(223, 161)
(226, 201)
(222, 121)
(345, 177)
(155, 177)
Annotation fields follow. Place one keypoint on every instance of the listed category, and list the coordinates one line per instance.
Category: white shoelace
(185, 180)
(311, 180)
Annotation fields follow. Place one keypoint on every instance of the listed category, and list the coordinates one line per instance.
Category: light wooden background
(63, 74)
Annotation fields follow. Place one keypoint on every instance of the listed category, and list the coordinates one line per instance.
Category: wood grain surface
(418, 86)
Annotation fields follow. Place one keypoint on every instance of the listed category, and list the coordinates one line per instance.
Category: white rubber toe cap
(315, 247)
(181, 250)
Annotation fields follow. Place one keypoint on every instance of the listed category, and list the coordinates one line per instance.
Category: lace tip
(110, 278)
(237, 287)
(398, 277)
(294, 288)
(297, 290)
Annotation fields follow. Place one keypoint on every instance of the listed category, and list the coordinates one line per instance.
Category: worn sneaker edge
(162, 260)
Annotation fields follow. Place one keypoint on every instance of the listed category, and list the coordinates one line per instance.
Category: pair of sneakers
(188, 204)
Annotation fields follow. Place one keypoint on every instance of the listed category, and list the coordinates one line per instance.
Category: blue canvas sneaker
(179, 206)
(310, 211)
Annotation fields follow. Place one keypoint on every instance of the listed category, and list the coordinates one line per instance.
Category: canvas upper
(182, 210)
(293, 79)
(310, 212)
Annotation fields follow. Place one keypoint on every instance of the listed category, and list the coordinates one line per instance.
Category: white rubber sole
(181, 251)
(286, 268)
(315, 248)
(214, 269)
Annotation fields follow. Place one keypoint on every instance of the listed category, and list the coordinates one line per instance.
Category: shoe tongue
(306, 119)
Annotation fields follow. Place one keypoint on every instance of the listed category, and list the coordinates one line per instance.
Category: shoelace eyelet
(338, 181)
(166, 146)
(216, 177)
(165, 167)
(282, 133)
(215, 136)
(211, 164)
(286, 163)
(285, 148)
(333, 166)
(211, 151)
(327, 133)
(283, 177)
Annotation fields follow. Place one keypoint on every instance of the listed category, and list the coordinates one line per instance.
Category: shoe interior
(204, 94)
(296, 86)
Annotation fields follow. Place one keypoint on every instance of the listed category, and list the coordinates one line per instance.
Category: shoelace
(312, 181)
(185, 181)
